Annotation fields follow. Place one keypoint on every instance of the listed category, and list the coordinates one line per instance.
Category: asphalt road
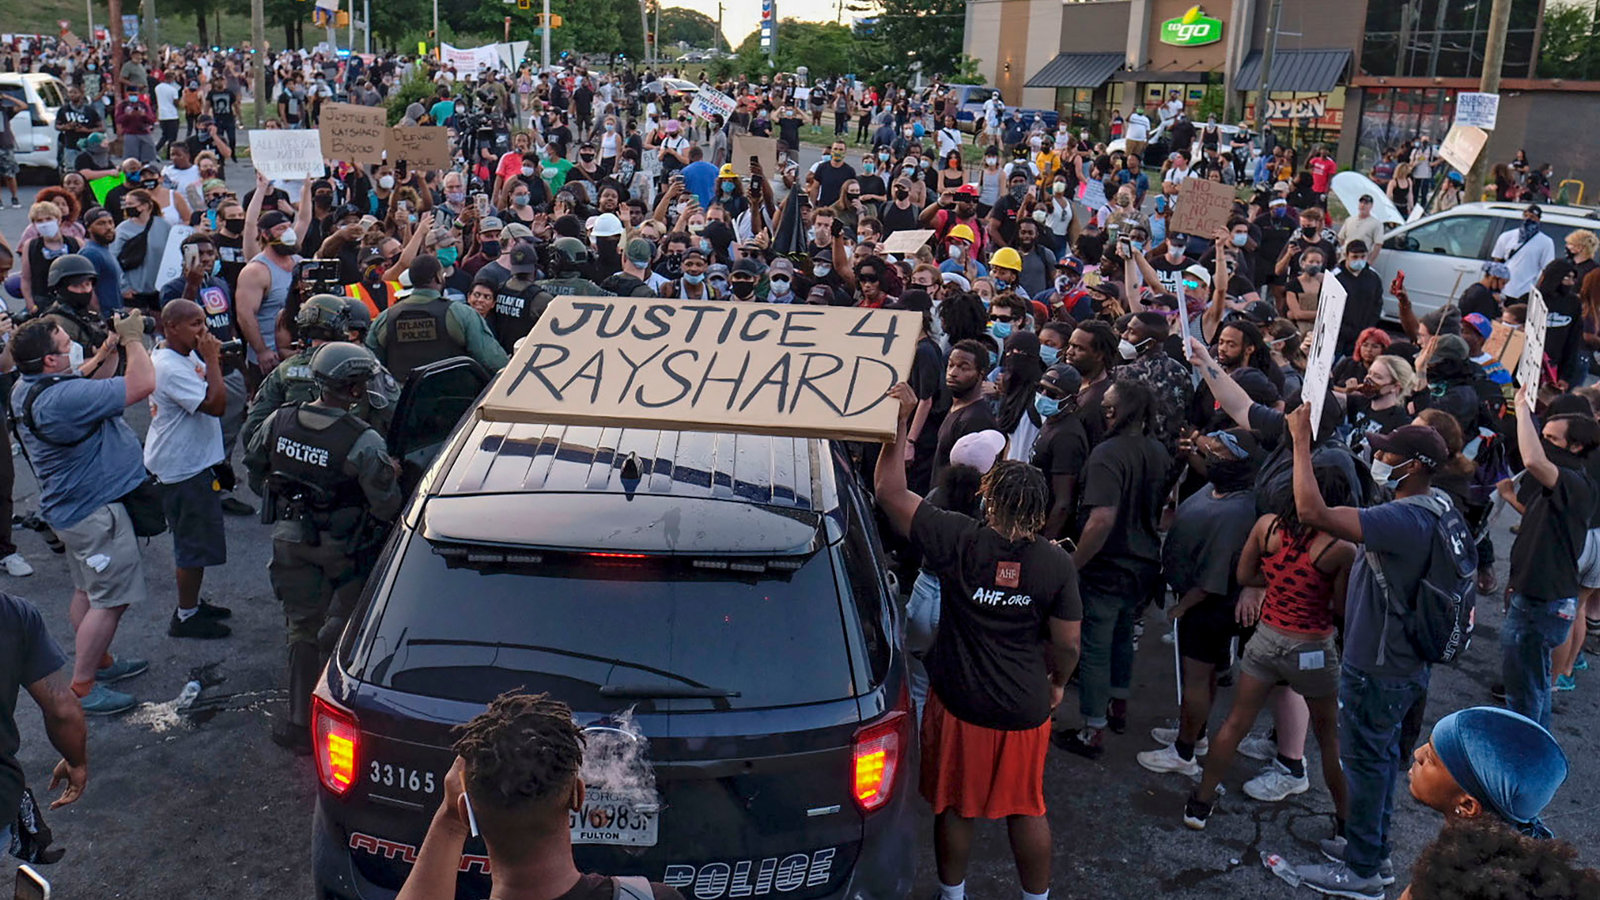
(209, 807)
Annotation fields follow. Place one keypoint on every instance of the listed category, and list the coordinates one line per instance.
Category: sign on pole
(353, 133)
(1203, 207)
(287, 155)
(1462, 145)
(421, 146)
(741, 367)
(1531, 364)
(1477, 109)
(710, 101)
(1324, 339)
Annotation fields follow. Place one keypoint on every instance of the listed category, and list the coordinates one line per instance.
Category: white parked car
(1443, 253)
(35, 130)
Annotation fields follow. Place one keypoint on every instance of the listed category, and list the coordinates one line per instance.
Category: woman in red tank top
(1304, 574)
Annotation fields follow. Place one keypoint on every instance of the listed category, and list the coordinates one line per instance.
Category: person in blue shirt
(700, 177)
(102, 228)
(443, 108)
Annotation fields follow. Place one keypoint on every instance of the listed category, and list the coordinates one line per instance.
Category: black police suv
(723, 595)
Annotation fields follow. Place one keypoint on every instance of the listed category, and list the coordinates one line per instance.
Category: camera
(149, 323)
(319, 276)
(234, 347)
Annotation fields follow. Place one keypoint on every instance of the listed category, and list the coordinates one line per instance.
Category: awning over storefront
(1308, 71)
(1077, 70)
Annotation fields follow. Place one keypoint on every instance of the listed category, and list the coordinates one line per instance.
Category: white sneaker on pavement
(16, 566)
(1258, 747)
(1170, 736)
(1167, 759)
(1275, 783)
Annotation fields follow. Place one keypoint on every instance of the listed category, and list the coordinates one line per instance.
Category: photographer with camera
(88, 462)
(72, 282)
(182, 449)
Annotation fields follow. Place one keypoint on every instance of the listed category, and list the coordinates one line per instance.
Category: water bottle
(1280, 867)
(190, 691)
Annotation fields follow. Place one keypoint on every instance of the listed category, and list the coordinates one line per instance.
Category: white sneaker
(1257, 747)
(1170, 736)
(1167, 760)
(1275, 783)
(16, 566)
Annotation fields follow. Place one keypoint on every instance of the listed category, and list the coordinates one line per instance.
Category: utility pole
(89, 35)
(656, 44)
(366, 24)
(1494, 54)
(150, 42)
(716, 42)
(644, 27)
(544, 35)
(114, 32)
(1274, 16)
(438, 39)
(258, 58)
(352, 26)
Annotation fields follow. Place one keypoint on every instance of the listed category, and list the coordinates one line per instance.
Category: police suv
(722, 597)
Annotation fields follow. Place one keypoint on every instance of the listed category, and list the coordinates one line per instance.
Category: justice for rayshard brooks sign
(810, 371)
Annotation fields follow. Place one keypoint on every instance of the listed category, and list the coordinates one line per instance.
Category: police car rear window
(575, 624)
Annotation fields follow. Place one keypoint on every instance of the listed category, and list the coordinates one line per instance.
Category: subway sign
(1192, 29)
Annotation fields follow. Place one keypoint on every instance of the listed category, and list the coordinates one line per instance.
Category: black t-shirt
(222, 103)
(1170, 273)
(27, 654)
(1544, 556)
(1062, 448)
(1004, 212)
(968, 419)
(1094, 422)
(896, 219)
(1362, 307)
(927, 381)
(79, 120)
(1206, 538)
(1129, 472)
(830, 180)
(1479, 299)
(989, 664)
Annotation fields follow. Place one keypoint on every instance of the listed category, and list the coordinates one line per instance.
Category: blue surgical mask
(780, 285)
(693, 279)
(1000, 330)
(1356, 265)
(447, 256)
(1136, 246)
(216, 267)
(727, 187)
(821, 270)
(1048, 355)
(1383, 473)
(1047, 406)
(1241, 238)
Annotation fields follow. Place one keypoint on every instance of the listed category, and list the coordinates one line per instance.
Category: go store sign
(1192, 29)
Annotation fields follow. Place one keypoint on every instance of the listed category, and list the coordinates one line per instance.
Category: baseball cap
(1070, 262)
(1480, 323)
(672, 126)
(1418, 442)
(1497, 270)
(272, 219)
(516, 231)
(524, 259)
(641, 251)
(967, 190)
(781, 266)
(1450, 346)
(819, 294)
(1277, 201)
(1063, 377)
(405, 288)
(491, 223)
(1282, 186)
(747, 266)
(980, 450)
(957, 279)
(1199, 273)
(348, 210)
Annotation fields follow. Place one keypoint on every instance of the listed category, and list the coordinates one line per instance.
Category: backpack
(1439, 617)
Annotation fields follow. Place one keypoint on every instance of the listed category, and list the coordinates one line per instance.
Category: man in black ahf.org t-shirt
(1007, 640)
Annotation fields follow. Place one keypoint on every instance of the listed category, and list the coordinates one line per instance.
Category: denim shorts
(1589, 560)
(1310, 666)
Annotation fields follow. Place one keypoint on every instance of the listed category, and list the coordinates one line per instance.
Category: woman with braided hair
(1007, 640)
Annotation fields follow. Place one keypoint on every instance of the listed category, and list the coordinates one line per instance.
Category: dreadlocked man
(996, 670)
(516, 781)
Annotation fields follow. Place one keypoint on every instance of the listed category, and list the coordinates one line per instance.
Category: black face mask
(78, 300)
(1566, 459)
(1229, 475)
(744, 290)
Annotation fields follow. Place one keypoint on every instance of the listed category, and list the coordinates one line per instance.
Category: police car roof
(763, 494)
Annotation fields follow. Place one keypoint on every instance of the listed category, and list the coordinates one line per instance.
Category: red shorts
(981, 773)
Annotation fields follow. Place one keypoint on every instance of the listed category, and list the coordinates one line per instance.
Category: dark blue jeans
(1372, 710)
(1533, 628)
(1105, 669)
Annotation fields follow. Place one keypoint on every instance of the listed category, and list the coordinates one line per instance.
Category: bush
(415, 89)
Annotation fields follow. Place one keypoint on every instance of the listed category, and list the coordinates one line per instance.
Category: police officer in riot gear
(328, 484)
(71, 282)
(426, 327)
(322, 319)
(360, 320)
(519, 302)
(569, 263)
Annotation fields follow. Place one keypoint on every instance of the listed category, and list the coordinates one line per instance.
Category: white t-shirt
(167, 95)
(182, 441)
(182, 178)
(1137, 127)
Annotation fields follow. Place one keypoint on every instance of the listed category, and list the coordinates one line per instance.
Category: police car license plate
(611, 818)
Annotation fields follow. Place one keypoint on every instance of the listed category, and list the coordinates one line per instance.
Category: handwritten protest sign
(710, 101)
(741, 367)
(907, 242)
(421, 146)
(1505, 344)
(1531, 364)
(353, 133)
(1462, 145)
(1203, 207)
(286, 155)
(1324, 338)
(765, 151)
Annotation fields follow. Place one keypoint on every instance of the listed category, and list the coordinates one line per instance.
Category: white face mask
(386, 182)
(49, 228)
(288, 237)
(1383, 473)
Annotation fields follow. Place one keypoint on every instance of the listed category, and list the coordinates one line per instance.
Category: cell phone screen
(31, 885)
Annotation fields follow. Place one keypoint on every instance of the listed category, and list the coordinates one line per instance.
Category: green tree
(588, 26)
(1570, 46)
(825, 49)
(692, 27)
(903, 32)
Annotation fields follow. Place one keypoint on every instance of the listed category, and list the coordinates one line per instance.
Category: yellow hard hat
(964, 233)
(727, 171)
(1006, 258)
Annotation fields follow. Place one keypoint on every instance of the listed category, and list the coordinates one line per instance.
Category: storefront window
(1445, 39)
(1392, 116)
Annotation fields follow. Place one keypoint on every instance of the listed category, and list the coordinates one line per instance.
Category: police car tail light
(879, 749)
(337, 745)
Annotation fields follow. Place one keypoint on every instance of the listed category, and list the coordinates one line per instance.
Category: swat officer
(322, 319)
(426, 327)
(520, 301)
(569, 261)
(360, 320)
(72, 282)
(328, 483)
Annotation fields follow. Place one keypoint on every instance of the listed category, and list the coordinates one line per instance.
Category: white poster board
(1462, 145)
(1477, 109)
(1324, 340)
(1531, 365)
(287, 155)
(710, 101)
(172, 256)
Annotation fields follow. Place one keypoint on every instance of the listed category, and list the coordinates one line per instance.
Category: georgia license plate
(609, 818)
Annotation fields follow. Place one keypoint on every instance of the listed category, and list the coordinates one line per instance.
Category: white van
(35, 131)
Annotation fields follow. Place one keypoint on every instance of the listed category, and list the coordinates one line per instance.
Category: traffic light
(524, 4)
(343, 21)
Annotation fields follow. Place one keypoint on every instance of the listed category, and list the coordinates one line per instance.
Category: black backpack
(1439, 616)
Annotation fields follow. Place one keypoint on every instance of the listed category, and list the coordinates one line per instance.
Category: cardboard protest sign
(353, 133)
(172, 255)
(286, 155)
(765, 151)
(1505, 344)
(710, 101)
(1531, 365)
(1462, 145)
(1324, 338)
(907, 242)
(741, 367)
(1203, 207)
(421, 146)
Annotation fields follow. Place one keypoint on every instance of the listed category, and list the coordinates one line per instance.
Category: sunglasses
(1012, 319)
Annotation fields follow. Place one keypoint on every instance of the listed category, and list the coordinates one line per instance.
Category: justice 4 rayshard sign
(1191, 29)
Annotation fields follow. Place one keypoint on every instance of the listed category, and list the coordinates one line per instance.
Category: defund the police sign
(1192, 29)
(716, 366)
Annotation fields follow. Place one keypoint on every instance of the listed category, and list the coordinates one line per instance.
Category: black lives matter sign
(720, 366)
